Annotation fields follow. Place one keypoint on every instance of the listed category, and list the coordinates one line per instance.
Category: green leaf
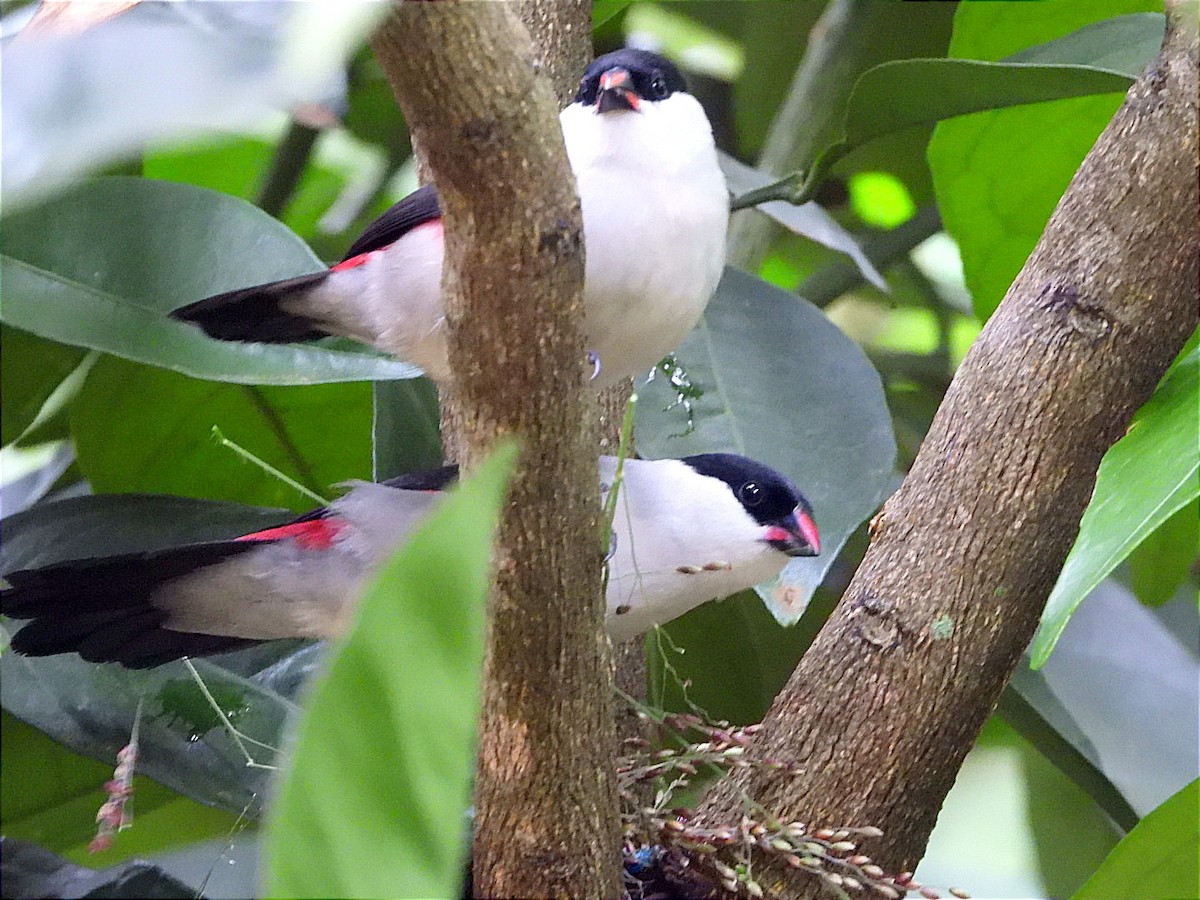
(405, 427)
(101, 265)
(30, 370)
(105, 525)
(735, 658)
(380, 781)
(1161, 563)
(998, 175)
(1121, 44)
(51, 795)
(895, 95)
(603, 10)
(1144, 479)
(900, 94)
(137, 428)
(1030, 706)
(1155, 861)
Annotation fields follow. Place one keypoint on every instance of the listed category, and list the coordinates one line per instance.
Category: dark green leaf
(1121, 44)
(372, 114)
(603, 10)
(106, 525)
(101, 265)
(380, 781)
(999, 174)
(185, 746)
(908, 92)
(31, 871)
(1145, 478)
(238, 166)
(30, 369)
(1157, 860)
(405, 427)
(137, 428)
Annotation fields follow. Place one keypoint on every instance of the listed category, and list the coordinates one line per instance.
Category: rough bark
(892, 694)
(546, 814)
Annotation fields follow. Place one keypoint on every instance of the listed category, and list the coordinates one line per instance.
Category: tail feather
(255, 314)
(102, 609)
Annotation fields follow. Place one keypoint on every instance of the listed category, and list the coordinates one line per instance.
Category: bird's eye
(750, 494)
(658, 87)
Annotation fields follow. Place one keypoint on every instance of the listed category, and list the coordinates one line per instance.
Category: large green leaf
(138, 428)
(1155, 861)
(101, 265)
(30, 370)
(1030, 706)
(380, 781)
(883, 100)
(783, 385)
(1144, 479)
(999, 174)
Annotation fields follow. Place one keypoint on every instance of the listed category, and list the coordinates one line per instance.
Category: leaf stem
(245, 454)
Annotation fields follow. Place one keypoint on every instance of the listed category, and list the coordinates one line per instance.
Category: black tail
(102, 610)
(254, 314)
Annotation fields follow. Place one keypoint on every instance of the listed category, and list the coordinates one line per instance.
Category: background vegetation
(827, 364)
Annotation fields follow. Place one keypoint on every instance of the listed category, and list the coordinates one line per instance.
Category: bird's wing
(417, 208)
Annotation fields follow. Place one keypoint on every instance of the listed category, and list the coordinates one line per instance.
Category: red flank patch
(315, 534)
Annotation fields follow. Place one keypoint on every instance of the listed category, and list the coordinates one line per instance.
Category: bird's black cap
(652, 76)
(765, 494)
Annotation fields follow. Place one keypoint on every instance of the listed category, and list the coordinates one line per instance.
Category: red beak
(797, 537)
(616, 91)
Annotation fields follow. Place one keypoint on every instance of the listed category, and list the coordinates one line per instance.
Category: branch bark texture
(892, 694)
(546, 812)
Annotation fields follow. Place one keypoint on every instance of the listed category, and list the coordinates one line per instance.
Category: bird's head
(623, 80)
(767, 497)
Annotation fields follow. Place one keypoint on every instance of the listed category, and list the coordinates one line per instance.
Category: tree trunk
(892, 694)
(546, 813)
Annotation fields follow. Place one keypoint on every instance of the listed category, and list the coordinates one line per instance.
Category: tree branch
(546, 813)
(892, 694)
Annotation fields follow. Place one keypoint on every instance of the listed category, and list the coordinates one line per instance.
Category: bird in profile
(655, 212)
(686, 531)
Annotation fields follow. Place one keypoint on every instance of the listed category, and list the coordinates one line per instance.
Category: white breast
(671, 519)
(655, 212)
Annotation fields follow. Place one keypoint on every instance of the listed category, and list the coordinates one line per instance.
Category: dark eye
(750, 494)
(658, 87)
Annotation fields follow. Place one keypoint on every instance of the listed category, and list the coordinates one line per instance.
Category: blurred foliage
(96, 266)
